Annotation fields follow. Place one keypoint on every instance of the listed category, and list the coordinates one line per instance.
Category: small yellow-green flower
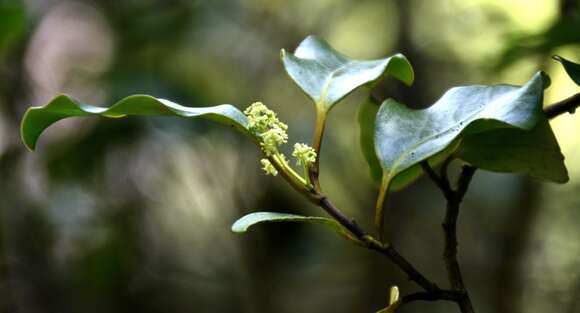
(272, 139)
(268, 167)
(264, 123)
(304, 154)
(260, 118)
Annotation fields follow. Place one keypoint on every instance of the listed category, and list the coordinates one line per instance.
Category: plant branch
(440, 181)
(412, 273)
(449, 295)
(454, 198)
(369, 242)
(450, 231)
(568, 105)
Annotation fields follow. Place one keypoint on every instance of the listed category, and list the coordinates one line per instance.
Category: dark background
(133, 215)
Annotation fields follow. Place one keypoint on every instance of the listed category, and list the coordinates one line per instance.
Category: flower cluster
(304, 154)
(264, 123)
(268, 167)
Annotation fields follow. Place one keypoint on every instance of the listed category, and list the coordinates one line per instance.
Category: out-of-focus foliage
(563, 32)
(135, 214)
(12, 23)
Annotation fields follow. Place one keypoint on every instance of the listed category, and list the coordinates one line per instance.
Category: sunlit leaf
(37, 119)
(573, 69)
(248, 221)
(327, 76)
(405, 137)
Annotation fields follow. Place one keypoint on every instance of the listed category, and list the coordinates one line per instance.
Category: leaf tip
(400, 67)
(240, 226)
(546, 80)
(237, 228)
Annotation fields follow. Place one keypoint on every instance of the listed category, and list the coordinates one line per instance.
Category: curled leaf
(248, 221)
(37, 119)
(405, 137)
(573, 69)
(327, 76)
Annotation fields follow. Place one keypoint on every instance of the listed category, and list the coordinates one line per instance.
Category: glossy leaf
(573, 69)
(366, 118)
(327, 76)
(248, 221)
(411, 174)
(405, 137)
(37, 119)
(512, 150)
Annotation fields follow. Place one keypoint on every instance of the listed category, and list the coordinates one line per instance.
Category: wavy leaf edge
(390, 175)
(397, 66)
(37, 119)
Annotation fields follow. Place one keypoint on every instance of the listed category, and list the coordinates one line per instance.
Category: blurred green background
(133, 215)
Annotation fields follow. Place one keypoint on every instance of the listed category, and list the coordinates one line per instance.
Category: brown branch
(387, 250)
(347, 223)
(449, 295)
(412, 273)
(568, 105)
(440, 181)
(450, 231)
(454, 198)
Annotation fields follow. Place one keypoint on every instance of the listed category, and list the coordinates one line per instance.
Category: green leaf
(405, 137)
(394, 301)
(248, 221)
(573, 69)
(366, 120)
(411, 174)
(512, 150)
(37, 119)
(327, 76)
